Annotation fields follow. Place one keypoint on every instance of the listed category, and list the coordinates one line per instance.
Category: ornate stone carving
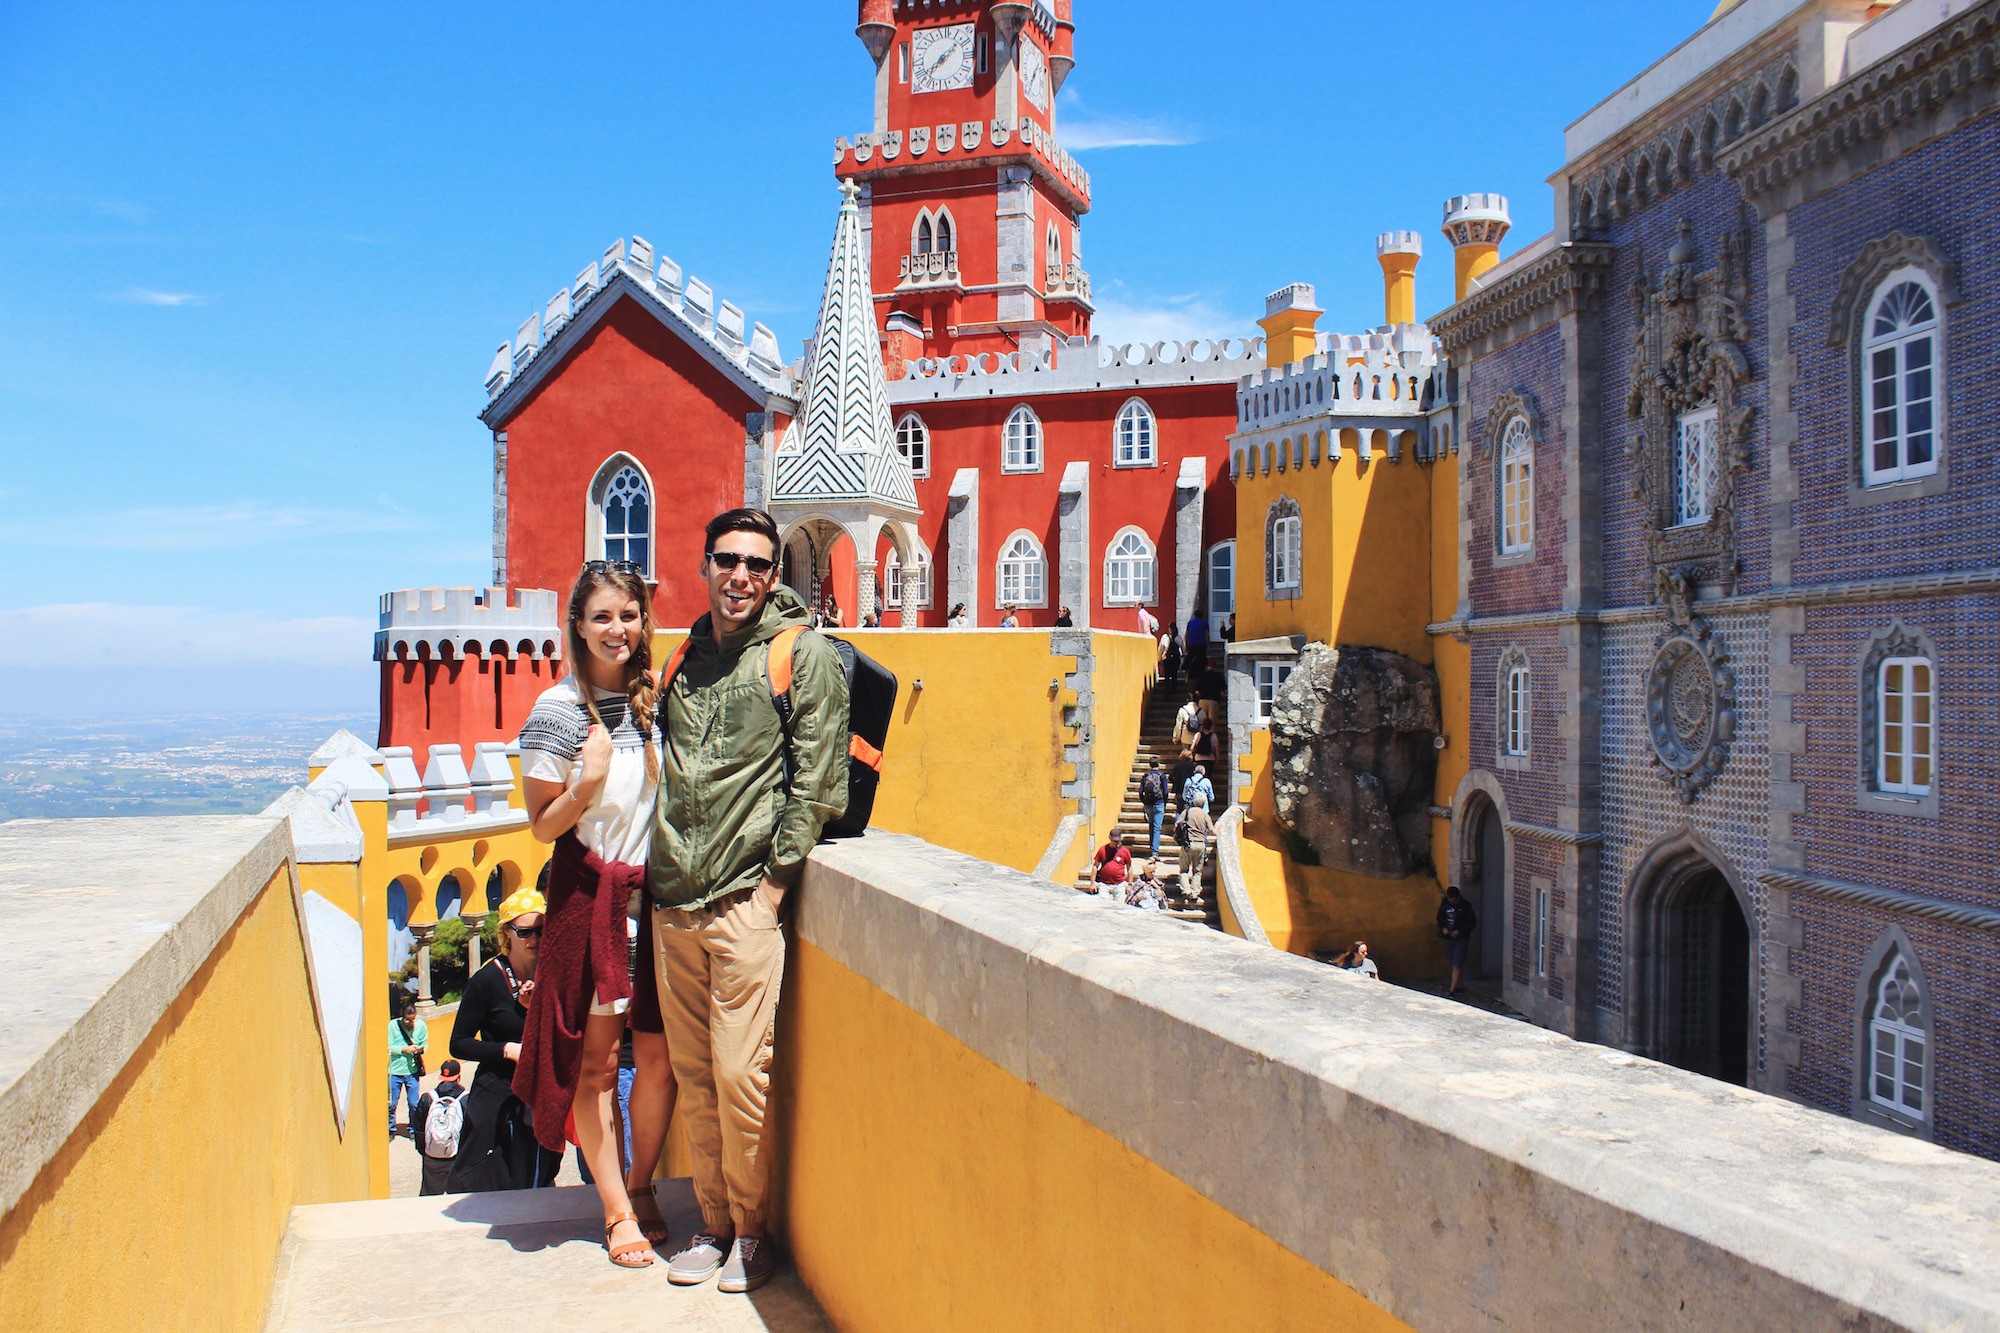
(1505, 408)
(1690, 694)
(1877, 260)
(1688, 355)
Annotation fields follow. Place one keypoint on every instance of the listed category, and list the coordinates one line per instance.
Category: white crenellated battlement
(1382, 384)
(720, 324)
(445, 798)
(1480, 219)
(960, 141)
(434, 623)
(1077, 364)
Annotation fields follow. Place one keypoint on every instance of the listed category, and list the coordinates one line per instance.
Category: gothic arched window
(1023, 572)
(892, 580)
(913, 442)
(1899, 383)
(1129, 570)
(1899, 1041)
(1514, 691)
(1517, 488)
(621, 515)
(1134, 435)
(1021, 441)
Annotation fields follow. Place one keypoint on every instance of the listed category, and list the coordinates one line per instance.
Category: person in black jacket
(437, 1168)
(1455, 923)
(497, 1150)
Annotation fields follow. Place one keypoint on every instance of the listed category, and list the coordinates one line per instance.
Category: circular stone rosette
(1690, 708)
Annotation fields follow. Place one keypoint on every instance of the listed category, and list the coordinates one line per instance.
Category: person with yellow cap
(496, 1148)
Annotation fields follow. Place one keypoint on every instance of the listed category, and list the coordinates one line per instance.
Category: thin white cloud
(240, 524)
(152, 296)
(1081, 130)
(1166, 318)
(97, 634)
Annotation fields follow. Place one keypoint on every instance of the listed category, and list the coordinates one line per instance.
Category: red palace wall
(1192, 421)
(460, 701)
(631, 386)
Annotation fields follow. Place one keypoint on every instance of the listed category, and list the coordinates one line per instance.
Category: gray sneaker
(694, 1265)
(749, 1266)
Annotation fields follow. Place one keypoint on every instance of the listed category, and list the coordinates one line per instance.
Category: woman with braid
(590, 760)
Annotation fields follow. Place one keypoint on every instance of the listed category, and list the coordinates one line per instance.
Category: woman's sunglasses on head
(727, 561)
(611, 567)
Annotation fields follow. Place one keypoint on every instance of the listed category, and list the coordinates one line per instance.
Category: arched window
(1899, 357)
(621, 515)
(892, 580)
(1129, 570)
(1284, 543)
(945, 238)
(1021, 442)
(1517, 488)
(1221, 583)
(913, 442)
(1899, 1041)
(1023, 572)
(1053, 245)
(923, 236)
(1515, 691)
(1132, 438)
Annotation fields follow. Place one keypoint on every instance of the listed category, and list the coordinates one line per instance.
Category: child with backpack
(438, 1125)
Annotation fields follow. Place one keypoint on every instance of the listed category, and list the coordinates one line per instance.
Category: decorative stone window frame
(892, 582)
(1036, 443)
(593, 511)
(1892, 945)
(1898, 640)
(1690, 355)
(1147, 421)
(1880, 263)
(923, 433)
(1000, 597)
(1513, 658)
(1282, 508)
(1146, 596)
(934, 232)
(1508, 409)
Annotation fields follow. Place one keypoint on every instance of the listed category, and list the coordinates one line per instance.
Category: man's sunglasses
(727, 561)
(526, 932)
(611, 567)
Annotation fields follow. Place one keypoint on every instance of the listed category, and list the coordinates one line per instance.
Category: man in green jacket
(741, 802)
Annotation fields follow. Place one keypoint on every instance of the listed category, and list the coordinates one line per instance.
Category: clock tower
(971, 206)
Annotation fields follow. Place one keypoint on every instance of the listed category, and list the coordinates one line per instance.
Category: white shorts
(598, 1006)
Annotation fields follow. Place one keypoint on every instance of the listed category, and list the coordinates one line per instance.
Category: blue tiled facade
(1832, 878)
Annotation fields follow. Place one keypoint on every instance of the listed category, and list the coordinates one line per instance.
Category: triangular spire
(846, 442)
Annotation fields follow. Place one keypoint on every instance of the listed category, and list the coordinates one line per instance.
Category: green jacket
(725, 817)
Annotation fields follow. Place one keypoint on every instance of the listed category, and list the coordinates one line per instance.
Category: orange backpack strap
(673, 666)
(778, 665)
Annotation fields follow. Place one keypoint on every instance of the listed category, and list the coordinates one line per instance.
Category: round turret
(876, 27)
(1475, 224)
(1398, 253)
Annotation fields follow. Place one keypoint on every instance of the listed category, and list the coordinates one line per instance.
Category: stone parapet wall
(1262, 1087)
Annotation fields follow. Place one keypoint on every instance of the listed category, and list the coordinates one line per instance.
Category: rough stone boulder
(1354, 758)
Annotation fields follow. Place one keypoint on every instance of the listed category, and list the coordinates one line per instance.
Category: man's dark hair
(408, 1008)
(1453, 892)
(742, 520)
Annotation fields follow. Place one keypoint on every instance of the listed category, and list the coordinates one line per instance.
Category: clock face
(941, 58)
(1034, 74)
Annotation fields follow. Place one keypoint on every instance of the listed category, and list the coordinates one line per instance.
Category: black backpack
(871, 702)
(1153, 787)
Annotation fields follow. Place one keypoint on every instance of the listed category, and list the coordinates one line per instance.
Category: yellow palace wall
(959, 1164)
(153, 1213)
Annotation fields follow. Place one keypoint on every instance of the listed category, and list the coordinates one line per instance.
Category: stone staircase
(1156, 740)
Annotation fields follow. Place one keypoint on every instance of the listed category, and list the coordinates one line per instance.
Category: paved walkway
(529, 1258)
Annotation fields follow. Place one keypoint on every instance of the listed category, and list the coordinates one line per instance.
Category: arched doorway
(1487, 888)
(1693, 961)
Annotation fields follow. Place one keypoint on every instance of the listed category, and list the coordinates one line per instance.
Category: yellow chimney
(1398, 252)
(1289, 317)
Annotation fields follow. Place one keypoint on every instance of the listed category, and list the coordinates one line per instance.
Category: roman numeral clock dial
(941, 58)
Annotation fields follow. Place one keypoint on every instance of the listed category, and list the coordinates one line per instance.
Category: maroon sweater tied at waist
(583, 955)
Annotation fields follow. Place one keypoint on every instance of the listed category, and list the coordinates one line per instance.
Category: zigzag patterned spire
(847, 445)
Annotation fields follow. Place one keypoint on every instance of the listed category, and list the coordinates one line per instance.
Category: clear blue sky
(254, 259)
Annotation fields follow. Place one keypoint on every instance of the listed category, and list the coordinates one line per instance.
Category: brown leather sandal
(654, 1228)
(619, 1252)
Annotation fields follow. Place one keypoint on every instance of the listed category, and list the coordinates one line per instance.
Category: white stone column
(913, 587)
(864, 589)
(1073, 556)
(962, 555)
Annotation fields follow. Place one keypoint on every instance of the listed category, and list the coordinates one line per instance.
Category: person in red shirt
(1113, 860)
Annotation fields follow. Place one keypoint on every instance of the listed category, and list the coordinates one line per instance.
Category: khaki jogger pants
(720, 969)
